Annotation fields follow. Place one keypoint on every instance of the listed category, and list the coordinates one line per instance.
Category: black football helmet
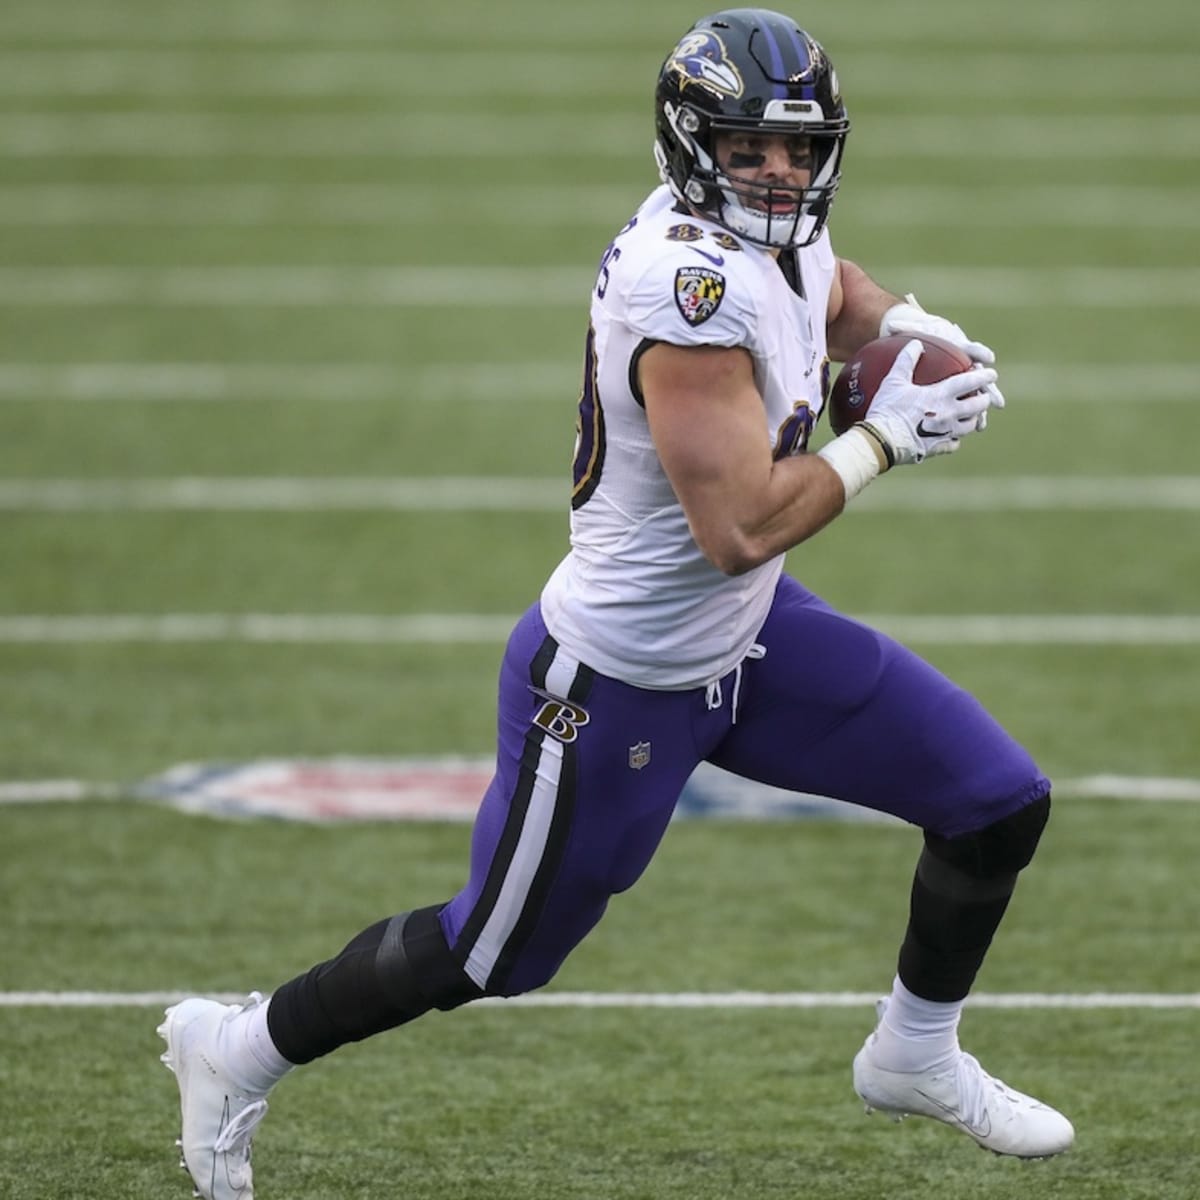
(750, 69)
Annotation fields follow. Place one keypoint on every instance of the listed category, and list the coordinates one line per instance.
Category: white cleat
(219, 1117)
(965, 1096)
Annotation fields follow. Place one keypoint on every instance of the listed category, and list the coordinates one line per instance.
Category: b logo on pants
(561, 719)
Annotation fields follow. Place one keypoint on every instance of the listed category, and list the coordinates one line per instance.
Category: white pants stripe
(531, 845)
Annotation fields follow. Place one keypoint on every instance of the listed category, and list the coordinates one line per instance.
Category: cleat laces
(976, 1087)
(973, 1084)
(235, 1137)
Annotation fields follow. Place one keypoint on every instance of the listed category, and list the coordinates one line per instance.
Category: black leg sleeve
(389, 974)
(960, 893)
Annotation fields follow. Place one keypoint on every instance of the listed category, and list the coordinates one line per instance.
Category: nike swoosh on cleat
(717, 260)
(982, 1130)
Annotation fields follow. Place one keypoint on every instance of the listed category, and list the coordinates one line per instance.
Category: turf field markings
(1065, 27)
(442, 493)
(296, 286)
(263, 628)
(308, 381)
(1148, 789)
(412, 494)
(206, 73)
(608, 135)
(671, 1000)
(997, 1000)
(1118, 288)
(1129, 383)
(56, 791)
(1130, 787)
(1092, 629)
(282, 72)
(259, 205)
(254, 205)
(1099, 205)
(1067, 24)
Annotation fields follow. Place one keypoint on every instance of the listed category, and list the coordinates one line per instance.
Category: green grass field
(293, 297)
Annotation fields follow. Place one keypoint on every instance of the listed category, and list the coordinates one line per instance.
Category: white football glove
(910, 317)
(914, 421)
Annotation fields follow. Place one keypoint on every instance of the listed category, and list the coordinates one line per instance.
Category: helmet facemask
(775, 215)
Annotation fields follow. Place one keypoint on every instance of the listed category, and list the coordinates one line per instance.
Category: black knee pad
(1001, 849)
(416, 968)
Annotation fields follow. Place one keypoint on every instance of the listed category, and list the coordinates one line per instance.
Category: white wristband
(855, 456)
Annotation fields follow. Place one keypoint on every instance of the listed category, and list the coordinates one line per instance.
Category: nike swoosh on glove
(915, 421)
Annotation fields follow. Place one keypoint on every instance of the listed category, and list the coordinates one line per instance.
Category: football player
(670, 635)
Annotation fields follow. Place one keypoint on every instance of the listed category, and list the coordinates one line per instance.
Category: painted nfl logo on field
(446, 789)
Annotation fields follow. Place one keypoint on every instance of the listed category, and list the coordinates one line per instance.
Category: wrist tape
(858, 455)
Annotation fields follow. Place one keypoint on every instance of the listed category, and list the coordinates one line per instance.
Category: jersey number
(589, 430)
(792, 437)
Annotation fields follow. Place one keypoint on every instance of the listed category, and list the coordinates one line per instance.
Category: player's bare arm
(857, 305)
(706, 419)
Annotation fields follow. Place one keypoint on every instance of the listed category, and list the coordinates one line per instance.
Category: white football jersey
(635, 598)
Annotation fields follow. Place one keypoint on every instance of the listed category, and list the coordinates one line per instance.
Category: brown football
(854, 388)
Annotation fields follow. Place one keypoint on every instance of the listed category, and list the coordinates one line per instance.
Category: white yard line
(398, 204)
(1097, 205)
(1101, 629)
(192, 133)
(501, 287)
(296, 286)
(56, 791)
(1145, 788)
(1068, 25)
(403, 494)
(170, 381)
(206, 73)
(1126, 382)
(262, 628)
(673, 1000)
(1130, 787)
(441, 493)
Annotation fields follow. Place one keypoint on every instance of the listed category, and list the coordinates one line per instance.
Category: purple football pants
(588, 769)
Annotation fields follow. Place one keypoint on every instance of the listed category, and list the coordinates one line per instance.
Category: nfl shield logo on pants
(639, 755)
